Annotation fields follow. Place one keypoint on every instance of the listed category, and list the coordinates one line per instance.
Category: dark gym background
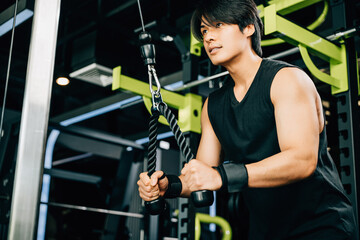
(105, 32)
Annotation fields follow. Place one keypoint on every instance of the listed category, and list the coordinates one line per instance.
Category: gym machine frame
(340, 60)
(189, 111)
(35, 114)
(343, 73)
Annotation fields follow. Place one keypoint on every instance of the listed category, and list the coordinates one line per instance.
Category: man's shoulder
(293, 75)
(272, 63)
(270, 68)
(292, 81)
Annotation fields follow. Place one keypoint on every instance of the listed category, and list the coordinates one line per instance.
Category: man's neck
(244, 68)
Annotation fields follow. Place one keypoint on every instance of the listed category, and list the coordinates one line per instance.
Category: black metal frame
(186, 218)
(348, 112)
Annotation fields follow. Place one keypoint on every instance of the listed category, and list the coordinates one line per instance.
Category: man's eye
(218, 25)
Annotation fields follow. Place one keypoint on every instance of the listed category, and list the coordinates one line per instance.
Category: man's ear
(249, 30)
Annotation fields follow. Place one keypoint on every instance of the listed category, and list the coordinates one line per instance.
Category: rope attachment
(200, 198)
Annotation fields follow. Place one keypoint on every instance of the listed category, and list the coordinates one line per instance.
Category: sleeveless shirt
(313, 208)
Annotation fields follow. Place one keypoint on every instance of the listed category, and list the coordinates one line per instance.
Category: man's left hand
(197, 175)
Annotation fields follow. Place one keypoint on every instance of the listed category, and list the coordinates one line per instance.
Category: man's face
(223, 42)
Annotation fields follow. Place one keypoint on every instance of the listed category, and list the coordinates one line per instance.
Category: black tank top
(314, 208)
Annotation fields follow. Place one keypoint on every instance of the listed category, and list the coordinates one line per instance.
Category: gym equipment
(34, 120)
(8, 71)
(200, 198)
(221, 222)
(91, 209)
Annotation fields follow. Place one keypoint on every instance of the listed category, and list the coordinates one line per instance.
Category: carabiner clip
(156, 100)
(152, 74)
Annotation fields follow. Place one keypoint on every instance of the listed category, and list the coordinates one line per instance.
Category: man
(270, 124)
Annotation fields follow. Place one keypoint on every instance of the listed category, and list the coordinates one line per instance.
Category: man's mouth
(214, 49)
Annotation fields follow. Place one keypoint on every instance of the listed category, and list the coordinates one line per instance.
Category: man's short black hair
(240, 12)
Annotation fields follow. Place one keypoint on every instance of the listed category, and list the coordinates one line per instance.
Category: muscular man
(270, 124)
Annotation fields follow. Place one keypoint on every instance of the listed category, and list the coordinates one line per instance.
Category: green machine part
(188, 106)
(195, 46)
(283, 8)
(221, 222)
(307, 41)
(311, 27)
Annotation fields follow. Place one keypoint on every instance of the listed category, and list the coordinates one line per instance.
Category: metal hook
(152, 74)
(156, 100)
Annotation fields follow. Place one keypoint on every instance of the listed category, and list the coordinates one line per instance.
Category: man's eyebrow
(203, 24)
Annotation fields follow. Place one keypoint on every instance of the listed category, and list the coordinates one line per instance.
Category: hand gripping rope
(200, 198)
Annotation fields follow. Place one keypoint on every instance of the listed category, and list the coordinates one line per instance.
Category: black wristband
(234, 177)
(223, 176)
(174, 187)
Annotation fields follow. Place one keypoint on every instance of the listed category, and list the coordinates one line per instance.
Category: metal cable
(98, 210)
(141, 16)
(8, 71)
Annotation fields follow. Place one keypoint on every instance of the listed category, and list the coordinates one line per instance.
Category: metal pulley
(147, 49)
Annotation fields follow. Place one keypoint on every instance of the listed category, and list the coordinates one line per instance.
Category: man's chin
(218, 60)
(216, 63)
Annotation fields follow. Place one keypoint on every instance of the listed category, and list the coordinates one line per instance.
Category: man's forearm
(281, 169)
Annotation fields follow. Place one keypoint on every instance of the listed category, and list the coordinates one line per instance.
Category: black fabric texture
(313, 208)
(174, 187)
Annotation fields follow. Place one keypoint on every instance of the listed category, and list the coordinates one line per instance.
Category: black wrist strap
(174, 187)
(234, 177)
(223, 176)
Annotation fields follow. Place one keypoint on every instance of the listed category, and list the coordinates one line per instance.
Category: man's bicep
(209, 149)
(296, 113)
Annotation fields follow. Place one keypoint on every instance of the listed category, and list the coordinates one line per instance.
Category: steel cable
(8, 71)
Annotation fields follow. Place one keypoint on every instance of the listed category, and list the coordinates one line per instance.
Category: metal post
(348, 114)
(187, 211)
(186, 218)
(35, 113)
(124, 186)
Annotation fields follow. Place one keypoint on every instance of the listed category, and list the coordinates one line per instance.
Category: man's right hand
(154, 187)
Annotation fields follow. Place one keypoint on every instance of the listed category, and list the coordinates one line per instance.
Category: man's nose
(209, 36)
